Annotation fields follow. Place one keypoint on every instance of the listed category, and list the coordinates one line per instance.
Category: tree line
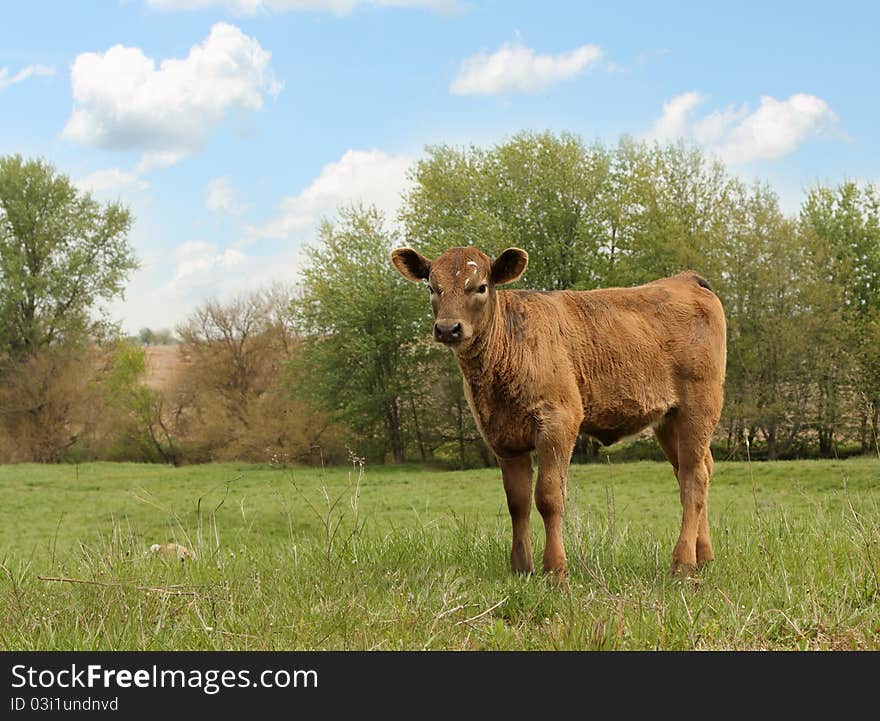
(341, 361)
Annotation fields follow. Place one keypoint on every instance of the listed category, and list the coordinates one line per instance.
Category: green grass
(411, 558)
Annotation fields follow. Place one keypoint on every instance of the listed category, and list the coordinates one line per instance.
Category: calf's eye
(482, 288)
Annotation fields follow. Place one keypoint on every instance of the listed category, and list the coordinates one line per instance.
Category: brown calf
(540, 367)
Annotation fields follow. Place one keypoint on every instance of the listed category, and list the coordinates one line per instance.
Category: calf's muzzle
(447, 331)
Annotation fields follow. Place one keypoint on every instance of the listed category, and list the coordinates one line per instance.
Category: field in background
(410, 558)
(164, 363)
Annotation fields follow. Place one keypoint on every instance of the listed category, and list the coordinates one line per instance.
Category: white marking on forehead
(457, 273)
(470, 262)
(466, 281)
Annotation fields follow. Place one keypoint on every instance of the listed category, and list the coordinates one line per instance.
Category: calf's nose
(447, 331)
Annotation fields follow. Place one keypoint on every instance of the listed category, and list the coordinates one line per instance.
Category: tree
(588, 216)
(148, 423)
(235, 384)
(45, 404)
(679, 208)
(841, 227)
(359, 319)
(768, 310)
(540, 192)
(61, 252)
(550, 191)
(148, 336)
(231, 350)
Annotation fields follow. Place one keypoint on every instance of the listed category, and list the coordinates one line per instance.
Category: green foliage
(549, 203)
(60, 253)
(841, 230)
(767, 308)
(139, 428)
(127, 368)
(449, 455)
(587, 215)
(124, 383)
(360, 319)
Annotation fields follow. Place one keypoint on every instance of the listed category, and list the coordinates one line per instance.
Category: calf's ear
(410, 264)
(509, 266)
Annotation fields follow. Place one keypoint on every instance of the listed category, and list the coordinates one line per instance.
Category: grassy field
(411, 558)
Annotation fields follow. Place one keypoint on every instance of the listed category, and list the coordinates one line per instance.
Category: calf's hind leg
(704, 541)
(667, 437)
(517, 475)
(694, 544)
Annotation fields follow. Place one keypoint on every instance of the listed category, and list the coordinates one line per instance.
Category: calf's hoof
(556, 577)
(521, 562)
(680, 569)
(522, 569)
(704, 555)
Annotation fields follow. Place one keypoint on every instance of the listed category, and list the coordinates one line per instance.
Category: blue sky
(230, 127)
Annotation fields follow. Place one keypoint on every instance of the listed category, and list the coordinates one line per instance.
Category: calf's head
(461, 284)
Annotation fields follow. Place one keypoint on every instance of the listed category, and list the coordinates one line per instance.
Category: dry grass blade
(483, 613)
(171, 591)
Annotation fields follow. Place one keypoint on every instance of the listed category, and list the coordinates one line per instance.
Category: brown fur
(538, 368)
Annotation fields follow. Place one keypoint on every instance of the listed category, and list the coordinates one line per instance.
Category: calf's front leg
(555, 444)
(517, 474)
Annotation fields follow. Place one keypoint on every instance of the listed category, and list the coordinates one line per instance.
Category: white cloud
(158, 159)
(200, 258)
(202, 270)
(171, 285)
(220, 197)
(370, 177)
(516, 68)
(116, 179)
(672, 124)
(31, 70)
(776, 128)
(738, 135)
(111, 180)
(339, 7)
(124, 100)
(711, 129)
